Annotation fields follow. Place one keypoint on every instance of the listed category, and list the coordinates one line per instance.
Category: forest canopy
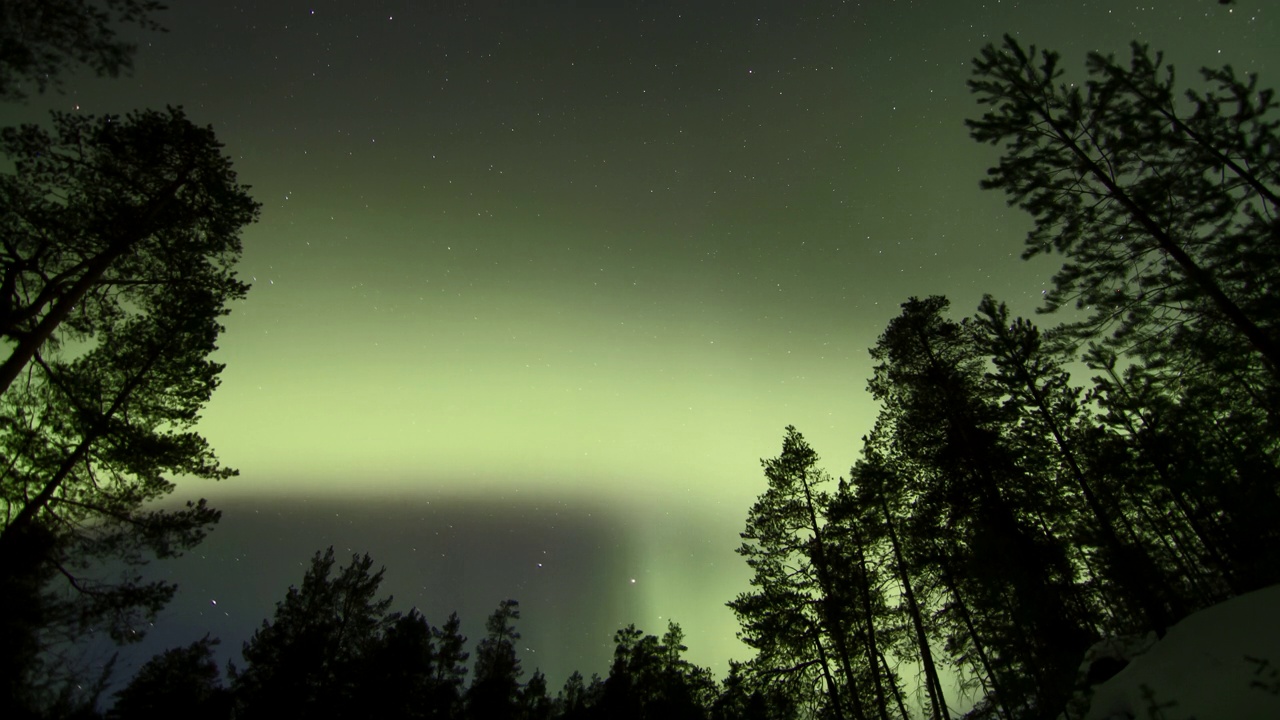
(1000, 519)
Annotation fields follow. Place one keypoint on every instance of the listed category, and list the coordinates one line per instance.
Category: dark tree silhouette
(1167, 216)
(577, 699)
(793, 617)
(1188, 462)
(495, 689)
(857, 582)
(179, 683)
(405, 675)
(874, 486)
(1045, 409)
(450, 670)
(980, 517)
(120, 238)
(739, 699)
(306, 662)
(40, 40)
(534, 702)
(104, 213)
(88, 442)
(650, 679)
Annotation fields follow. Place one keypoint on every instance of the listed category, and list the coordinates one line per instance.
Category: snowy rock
(1222, 662)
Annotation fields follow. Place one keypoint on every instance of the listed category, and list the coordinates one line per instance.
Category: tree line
(1003, 516)
(332, 650)
(999, 518)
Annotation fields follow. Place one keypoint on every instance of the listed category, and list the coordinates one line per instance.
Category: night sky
(538, 283)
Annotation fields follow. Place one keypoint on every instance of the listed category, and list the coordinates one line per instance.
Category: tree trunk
(833, 691)
(831, 614)
(932, 682)
(1135, 574)
(873, 654)
(983, 658)
(893, 685)
(1196, 274)
(31, 343)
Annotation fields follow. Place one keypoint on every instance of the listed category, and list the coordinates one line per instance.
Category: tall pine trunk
(932, 683)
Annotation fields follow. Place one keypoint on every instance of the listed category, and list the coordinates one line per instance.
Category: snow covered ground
(1220, 663)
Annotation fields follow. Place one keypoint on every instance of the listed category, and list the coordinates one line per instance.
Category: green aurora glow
(517, 255)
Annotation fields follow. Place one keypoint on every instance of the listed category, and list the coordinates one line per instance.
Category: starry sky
(537, 284)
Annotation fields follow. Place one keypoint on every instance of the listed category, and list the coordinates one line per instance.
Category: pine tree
(306, 662)
(121, 239)
(579, 699)
(793, 616)
(874, 485)
(534, 703)
(450, 668)
(1009, 574)
(741, 699)
(400, 677)
(854, 557)
(105, 213)
(88, 442)
(495, 691)
(1166, 215)
(1198, 475)
(649, 679)
(1044, 409)
(182, 682)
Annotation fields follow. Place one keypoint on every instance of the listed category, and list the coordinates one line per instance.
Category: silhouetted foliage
(495, 689)
(1165, 209)
(179, 683)
(1044, 413)
(307, 662)
(41, 40)
(1166, 214)
(534, 702)
(1016, 518)
(577, 698)
(858, 557)
(333, 650)
(650, 679)
(106, 214)
(794, 617)
(981, 511)
(741, 699)
(120, 238)
(450, 668)
(400, 677)
(999, 519)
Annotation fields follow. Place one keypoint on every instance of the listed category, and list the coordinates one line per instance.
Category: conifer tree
(1044, 410)
(450, 669)
(975, 500)
(105, 213)
(495, 689)
(534, 703)
(649, 679)
(401, 675)
(874, 485)
(1166, 214)
(793, 616)
(121, 236)
(305, 663)
(183, 682)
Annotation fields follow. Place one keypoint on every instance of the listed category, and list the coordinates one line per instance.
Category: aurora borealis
(536, 284)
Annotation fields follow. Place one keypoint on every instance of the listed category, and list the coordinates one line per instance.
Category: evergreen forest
(1025, 491)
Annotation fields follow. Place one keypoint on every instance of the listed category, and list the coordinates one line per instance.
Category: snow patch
(1221, 662)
